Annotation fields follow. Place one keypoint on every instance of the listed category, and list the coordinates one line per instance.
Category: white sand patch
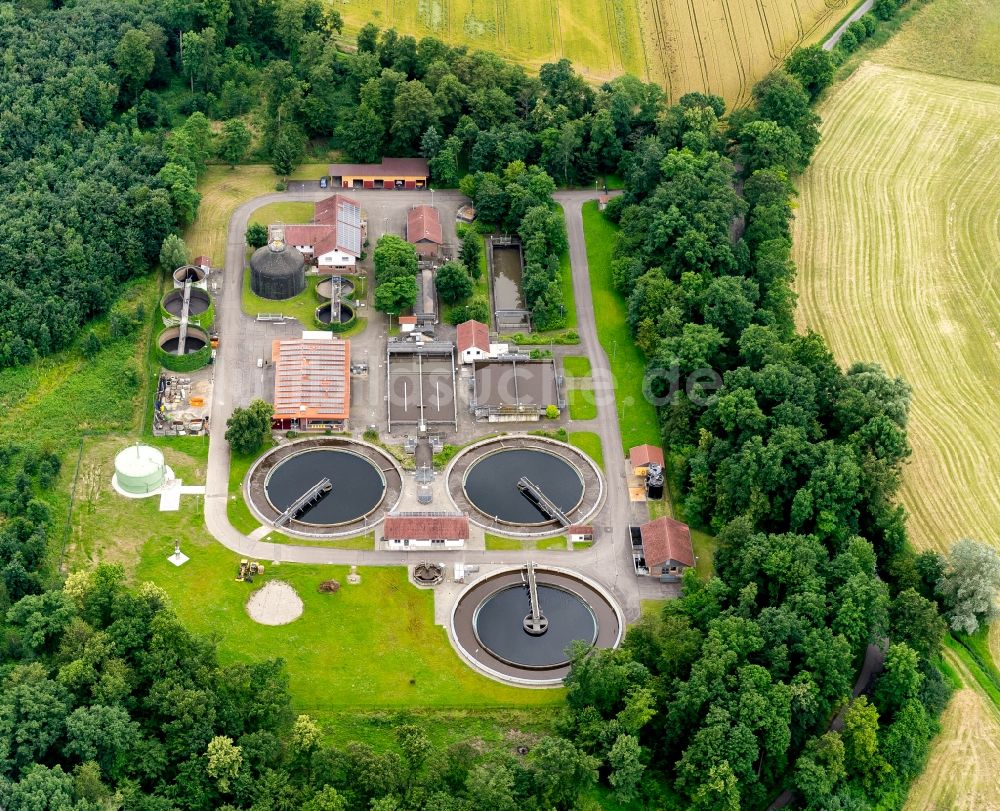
(274, 604)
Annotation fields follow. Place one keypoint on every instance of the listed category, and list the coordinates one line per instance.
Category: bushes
(184, 363)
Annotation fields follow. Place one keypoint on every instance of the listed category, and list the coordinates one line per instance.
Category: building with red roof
(472, 341)
(391, 173)
(312, 383)
(664, 549)
(423, 230)
(425, 530)
(335, 237)
(641, 456)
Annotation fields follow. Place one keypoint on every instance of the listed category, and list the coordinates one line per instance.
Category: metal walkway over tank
(309, 498)
(185, 312)
(534, 494)
(534, 623)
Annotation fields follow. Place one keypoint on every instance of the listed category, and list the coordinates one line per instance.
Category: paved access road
(608, 561)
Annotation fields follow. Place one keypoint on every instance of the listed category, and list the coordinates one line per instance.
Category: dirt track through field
(898, 246)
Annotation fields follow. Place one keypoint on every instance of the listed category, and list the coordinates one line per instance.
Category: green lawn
(582, 405)
(637, 417)
(566, 286)
(704, 552)
(576, 366)
(236, 508)
(303, 306)
(285, 213)
(590, 444)
(374, 645)
(501, 542)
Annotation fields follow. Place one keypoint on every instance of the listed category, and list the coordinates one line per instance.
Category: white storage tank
(140, 469)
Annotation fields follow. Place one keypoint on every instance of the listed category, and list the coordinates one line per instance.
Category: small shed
(580, 533)
(407, 323)
(641, 456)
(203, 262)
(472, 341)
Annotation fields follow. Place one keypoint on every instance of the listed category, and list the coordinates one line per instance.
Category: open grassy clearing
(576, 366)
(582, 405)
(959, 38)
(502, 542)
(897, 247)
(286, 213)
(637, 417)
(963, 768)
(590, 444)
(223, 189)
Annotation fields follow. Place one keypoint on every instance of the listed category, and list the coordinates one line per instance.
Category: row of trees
(395, 274)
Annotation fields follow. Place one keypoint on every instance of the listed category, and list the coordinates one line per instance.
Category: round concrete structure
(482, 482)
(488, 624)
(173, 302)
(189, 273)
(140, 469)
(325, 288)
(280, 476)
(277, 271)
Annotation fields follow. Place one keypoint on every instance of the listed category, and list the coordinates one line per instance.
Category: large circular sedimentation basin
(140, 469)
(366, 483)
(325, 288)
(492, 623)
(173, 302)
(324, 314)
(491, 484)
(358, 485)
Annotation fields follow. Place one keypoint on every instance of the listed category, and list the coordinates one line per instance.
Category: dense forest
(723, 698)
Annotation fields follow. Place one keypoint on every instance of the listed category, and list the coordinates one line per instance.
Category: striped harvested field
(713, 46)
(897, 240)
(963, 769)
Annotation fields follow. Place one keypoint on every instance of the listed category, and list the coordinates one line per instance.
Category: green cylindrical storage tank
(139, 469)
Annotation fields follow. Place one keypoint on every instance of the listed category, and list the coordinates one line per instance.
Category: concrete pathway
(608, 561)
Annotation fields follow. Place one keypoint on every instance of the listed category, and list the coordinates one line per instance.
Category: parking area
(421, 386)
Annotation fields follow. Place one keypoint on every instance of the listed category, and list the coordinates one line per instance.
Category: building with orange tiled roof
(312, 383)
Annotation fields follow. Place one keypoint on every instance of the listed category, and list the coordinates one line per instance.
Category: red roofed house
(312, 383)
(423, 230)
(202, 262)
(473, 341)
(666, 549)
(335, 237)
(425, 530)
(580, 533)
(642, 456)
(391, 173)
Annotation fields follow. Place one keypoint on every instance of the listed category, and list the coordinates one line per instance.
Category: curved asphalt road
(608, 561)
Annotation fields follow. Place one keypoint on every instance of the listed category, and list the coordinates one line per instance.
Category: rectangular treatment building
(312, 383)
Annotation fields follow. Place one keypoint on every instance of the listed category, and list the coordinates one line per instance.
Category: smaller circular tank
(189, 273)
(139, 469)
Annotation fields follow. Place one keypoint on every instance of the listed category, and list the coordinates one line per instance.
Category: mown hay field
(897, 241)
(717, 46)
(959, 38)
(963, 768)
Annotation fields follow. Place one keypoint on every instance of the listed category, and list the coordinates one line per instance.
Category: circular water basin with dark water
(325, 287)
(192, 344)
(324, 315)
(491, 484)
(499, 626)
(358, 486)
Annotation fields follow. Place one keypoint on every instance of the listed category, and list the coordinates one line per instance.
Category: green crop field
(717, 46)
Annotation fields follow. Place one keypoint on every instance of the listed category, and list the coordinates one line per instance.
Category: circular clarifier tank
(169, 340)
(499, 631)
(358, 486)
(491, 484)
(325, 288)
(324, 314)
